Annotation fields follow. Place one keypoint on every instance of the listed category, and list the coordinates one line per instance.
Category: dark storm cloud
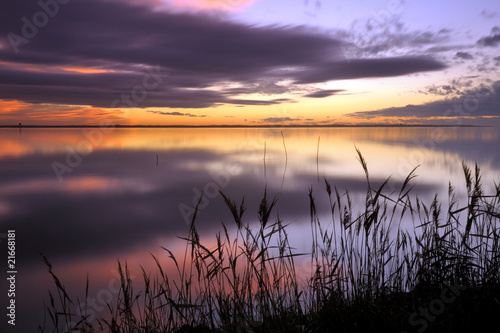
(191, 55)
(475, 103)
(323, 93)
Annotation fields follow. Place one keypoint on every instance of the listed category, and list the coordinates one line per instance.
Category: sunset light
(229, 166)
(239, 62)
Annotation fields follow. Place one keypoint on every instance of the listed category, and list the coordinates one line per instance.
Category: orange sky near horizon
(14, 112)
(361, 95)
(254, 62)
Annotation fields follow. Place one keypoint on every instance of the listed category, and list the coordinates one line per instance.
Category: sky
(249, 62)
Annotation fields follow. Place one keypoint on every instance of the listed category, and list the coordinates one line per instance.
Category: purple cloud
(196, 56)
(324, 93)
(492, 40)
(177, 114)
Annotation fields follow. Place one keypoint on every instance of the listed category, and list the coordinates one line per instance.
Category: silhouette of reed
(379, 269)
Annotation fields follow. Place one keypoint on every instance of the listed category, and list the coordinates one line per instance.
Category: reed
(376, 269)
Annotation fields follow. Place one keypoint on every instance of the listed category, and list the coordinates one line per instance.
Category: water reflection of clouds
(5, 208)
(74, 186)
(122, 189)
(119, 204)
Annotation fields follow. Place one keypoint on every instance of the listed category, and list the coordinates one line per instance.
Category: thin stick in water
(317, 160)
(286, 160)
(265, 175)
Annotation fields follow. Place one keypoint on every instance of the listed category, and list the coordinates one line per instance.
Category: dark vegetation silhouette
(397, 265)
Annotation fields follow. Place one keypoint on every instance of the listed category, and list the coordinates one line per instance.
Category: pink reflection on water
(77, 185)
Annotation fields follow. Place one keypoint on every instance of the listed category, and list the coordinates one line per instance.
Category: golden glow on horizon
(243, 150)
(358, 96)
(222, 140)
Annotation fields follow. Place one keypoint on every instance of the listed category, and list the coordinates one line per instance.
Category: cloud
(454, 87)
(463, 55)
(264, 87)
(404, 40)
(389, 37)
(13, 112)
(278, 120)
(268, 87)
(177, 114)
(492, 40)
(488, 14)
(323, 93)
(445, 48)
(142, 57)
(445, 89)
(479, 104)
(369, 68)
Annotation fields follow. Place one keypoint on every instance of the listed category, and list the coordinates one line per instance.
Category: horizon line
(236, 126)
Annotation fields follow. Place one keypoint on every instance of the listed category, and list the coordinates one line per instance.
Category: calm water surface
(87, 198)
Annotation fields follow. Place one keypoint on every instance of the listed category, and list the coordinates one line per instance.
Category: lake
(88, 197)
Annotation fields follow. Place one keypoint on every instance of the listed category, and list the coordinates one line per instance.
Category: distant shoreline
(229, 126)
